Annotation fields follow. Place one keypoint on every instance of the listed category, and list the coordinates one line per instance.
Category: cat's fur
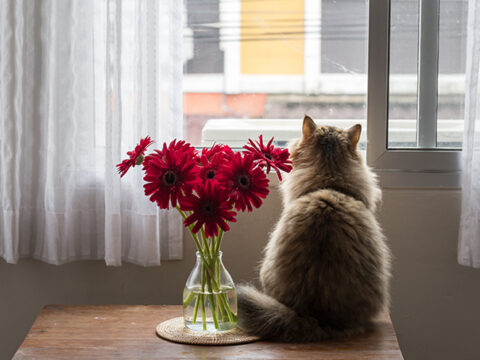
(326, 268)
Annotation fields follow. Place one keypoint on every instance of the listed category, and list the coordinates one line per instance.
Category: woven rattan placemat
(174, 330)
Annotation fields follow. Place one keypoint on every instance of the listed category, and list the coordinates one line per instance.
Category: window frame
(398, 167)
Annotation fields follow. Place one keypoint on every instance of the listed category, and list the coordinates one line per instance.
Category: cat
(326, 267)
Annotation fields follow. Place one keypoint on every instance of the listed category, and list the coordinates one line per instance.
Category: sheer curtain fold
(81, 81)
(469, 235)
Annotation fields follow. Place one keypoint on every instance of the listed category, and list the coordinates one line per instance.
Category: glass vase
(209, 297)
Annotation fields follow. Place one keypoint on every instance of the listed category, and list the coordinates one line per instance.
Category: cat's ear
(354, 135)
(308, 127)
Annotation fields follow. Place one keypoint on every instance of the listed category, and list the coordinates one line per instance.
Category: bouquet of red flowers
(208, 188)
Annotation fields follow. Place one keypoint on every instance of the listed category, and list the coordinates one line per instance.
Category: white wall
(436, 302)
(435, 306)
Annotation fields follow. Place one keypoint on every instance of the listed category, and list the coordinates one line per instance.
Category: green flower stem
(202, 277)
(219, 241)
(223, 297)
(206, 249)
(212, 303)
(214, 287)
(204, 319)
(195, 309)
(208, 278)
(205, 243)
(202, 298)
(224, 301)
(221, 310)
(188, 299)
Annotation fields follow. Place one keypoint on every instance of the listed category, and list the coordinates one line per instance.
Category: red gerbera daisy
(215, 149)
(170, 175)
(210, 207)
(211, 160)
(174, 146)
(270, 156)
(183, 146)
(135, 156)
(246, 182)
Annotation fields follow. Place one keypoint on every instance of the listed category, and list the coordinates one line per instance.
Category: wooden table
(128, 332)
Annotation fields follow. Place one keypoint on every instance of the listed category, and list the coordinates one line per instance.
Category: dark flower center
(210, 174)
(268, 156)
(243, 181)
(208, 209)
(170, 178)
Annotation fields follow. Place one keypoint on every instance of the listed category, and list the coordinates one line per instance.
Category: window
(426, 111)
(421, 152)
(256, 66)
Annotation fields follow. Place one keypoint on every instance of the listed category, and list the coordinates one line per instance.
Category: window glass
(451, 77)
(402, 110)
(270, 61)
(446, 119)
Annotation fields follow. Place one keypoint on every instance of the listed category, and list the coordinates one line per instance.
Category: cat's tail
(264, 316)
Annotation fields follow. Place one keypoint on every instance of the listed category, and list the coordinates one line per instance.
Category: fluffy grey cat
(326, 268)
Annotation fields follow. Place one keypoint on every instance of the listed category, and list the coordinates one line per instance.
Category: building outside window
(278, 59)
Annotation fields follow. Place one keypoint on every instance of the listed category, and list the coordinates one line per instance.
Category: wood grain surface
(128, 332)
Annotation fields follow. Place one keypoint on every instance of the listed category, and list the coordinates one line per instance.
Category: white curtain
(469, 237)
(81, 81)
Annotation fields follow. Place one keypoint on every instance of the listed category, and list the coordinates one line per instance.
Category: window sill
(389, 179)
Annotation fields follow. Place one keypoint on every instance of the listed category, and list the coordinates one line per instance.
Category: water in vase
(210, 311)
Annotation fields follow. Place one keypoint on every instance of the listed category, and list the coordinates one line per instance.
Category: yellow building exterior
(272, 39)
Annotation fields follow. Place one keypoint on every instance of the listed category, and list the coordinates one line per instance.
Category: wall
(435, 307)
(435, 301)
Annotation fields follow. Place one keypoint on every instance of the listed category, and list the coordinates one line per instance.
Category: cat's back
(327, 217)
(339, 229)
(333, 210)
(327, 242)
